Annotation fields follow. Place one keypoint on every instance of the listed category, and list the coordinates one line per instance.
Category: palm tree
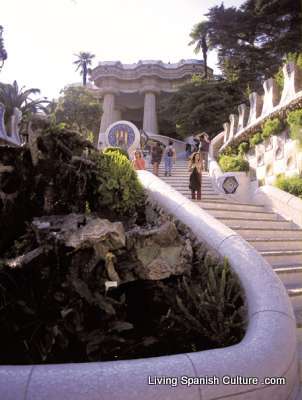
(84, 59)
(3, 53)
(200, 38)
(11, 96)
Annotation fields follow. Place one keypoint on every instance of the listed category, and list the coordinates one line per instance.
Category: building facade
(130, 91)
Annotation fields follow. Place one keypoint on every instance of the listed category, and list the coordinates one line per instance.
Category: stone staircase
(279, 241)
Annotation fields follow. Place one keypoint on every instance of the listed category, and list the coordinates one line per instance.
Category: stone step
(230, 213)
(300, 368)
(174, 180)
(289, 275)
(185, 187)
(279, 258)
(257, 233)
(276, 244)
(255, 223)
(298, 315)
(295, 295)
(226, 205)
(206, 198)
(204, 193)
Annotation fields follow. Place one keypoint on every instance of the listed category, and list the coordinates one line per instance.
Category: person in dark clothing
(197, 144)
(188, 150)
(204, 146)
(156, 155)
(195, 168)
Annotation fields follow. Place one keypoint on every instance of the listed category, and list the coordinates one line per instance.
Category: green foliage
(271, 127)
(294, 120)
(117, 188)
(292, 185)
(118, 150)
(249, 41)
(80, 110)
(256, 139)
(212, 305)
(199, 38)
(12, 96)
(198, 106)
(229, 151)
(243, 148)
(84, 59)
(3, 53)
(233, 163)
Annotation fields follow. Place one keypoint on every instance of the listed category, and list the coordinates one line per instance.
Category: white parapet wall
(267, 350)
(233, 185)
(285, 204)
(277, 154)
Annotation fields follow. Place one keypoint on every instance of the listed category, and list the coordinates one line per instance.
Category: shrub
(294, 120)
(256, 139)
(243, 148)
(117, 149)
(233, 163)
(292, 184)
(117, 187)
(271, 127)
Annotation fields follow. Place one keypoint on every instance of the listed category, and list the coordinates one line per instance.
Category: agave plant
(12, 96)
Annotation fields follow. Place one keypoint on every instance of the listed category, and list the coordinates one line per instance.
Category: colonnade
(112, 114)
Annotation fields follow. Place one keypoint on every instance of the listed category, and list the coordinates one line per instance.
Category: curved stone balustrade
(268, 348)
(263, 107)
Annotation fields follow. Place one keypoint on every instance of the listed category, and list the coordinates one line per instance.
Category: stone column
(150, 117)
(117, 115)
(108, 111)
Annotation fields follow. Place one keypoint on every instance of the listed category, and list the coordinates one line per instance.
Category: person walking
(169, 158)
(204, 146)
(195, 168)
(196, 144)
(188, 150)
(138, 162)
(156, 155)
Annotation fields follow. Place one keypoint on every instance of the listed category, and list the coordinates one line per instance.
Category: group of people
(157, 153)
(198, 161)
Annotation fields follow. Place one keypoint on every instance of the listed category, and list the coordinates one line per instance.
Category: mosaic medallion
(230, 185)
(121, 135)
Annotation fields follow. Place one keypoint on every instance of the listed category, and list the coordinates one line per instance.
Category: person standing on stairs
(195, 168)
(156, 155)
(204, 146)
(169, 158)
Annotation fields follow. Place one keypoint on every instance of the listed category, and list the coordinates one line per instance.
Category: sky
(42, 37)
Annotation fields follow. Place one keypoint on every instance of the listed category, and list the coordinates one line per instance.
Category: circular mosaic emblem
(121, 135)
(230, 185)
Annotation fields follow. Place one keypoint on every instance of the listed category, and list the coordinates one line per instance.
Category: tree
(200, 39)
(12, 96)
(251, 41)
(82, 63)
(3, 53)
(80, 110)
(198, 106)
